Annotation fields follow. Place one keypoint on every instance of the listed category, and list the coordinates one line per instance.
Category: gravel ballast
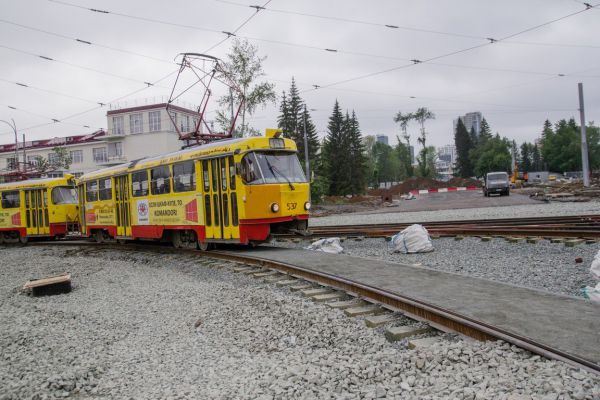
(153, 326)
(396, 215)
(546, 266)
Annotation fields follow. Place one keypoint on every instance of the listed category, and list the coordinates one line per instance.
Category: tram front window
(271, 167)
(64, 195)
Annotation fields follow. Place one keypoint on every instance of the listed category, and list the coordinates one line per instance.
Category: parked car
(496, 182)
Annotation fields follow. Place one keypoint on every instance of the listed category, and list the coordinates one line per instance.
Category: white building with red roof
(133, 133)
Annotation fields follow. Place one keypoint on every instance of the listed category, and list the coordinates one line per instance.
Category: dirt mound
(422, 183)
(460, 182)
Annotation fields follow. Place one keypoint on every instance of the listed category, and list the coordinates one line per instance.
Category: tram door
(123, 201)
(220, 198)
(36, 212)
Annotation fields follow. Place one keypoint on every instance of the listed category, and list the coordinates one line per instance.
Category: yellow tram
(228, 191)
(38, 208)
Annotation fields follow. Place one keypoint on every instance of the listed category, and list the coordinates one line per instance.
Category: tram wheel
(23, 239)
(204, 246)
(176, 239)
(1, 237)
(99, 236)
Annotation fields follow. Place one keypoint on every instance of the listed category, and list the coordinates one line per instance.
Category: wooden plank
(52, 280)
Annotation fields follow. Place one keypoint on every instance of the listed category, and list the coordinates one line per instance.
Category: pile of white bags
(593, 293)
(413, 239)
(328, 245)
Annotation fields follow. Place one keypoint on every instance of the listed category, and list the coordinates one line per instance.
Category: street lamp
(14, 128)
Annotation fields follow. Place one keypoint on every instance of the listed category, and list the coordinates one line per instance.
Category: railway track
(579, 226)
(439, 317)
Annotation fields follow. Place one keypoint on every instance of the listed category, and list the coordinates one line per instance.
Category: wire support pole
(584, 147)
(306, 161)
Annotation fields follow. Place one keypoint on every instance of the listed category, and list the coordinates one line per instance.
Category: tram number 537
(291, 206)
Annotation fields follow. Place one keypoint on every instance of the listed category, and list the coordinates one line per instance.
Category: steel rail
(437, 316)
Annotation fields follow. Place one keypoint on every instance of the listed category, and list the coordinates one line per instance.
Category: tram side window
(11, 199)
(139, 183)
(161, 179)
(91, 191)
(231, 173)
(184, 177)
(249, 169)
(105, 192)
(205, 176)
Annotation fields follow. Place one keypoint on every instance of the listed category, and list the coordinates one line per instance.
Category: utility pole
(306, 162)
(584, 147)
(14, 128)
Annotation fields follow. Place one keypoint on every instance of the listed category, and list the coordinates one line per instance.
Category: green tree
(404, 120)
(336, 154)
(428, 154)
(422, 115)
(62, 159)
(358, 162)
(292, 119)
(404, 159)
(485, 132)
(464, 147)
(536, 158)
(561, 148)
(243, 66)
(495, 156)
(387, 164)
(526, 157)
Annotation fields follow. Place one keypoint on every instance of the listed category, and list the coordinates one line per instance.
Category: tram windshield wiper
(275, 170)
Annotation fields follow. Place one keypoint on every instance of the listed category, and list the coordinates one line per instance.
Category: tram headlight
(307, 205)
(274, 207)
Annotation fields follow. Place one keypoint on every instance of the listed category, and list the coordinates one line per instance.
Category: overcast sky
(514, 82)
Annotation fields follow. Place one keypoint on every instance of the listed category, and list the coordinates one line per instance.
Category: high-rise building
(471, 120)
(382, 139)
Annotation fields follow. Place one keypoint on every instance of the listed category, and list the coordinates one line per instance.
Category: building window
(76, 156)
(77, 174)
(115, 150)
(185, 123)
(195, 122)
(118, 125)
(52, 158)
(135, 123)
(173, 115)
(154, 119)
(55, 174)
(33, 160)
(11, 163)
(100, 154)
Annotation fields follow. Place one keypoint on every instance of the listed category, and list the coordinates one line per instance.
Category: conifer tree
(336, 157)
(485, 132)
(358, 160)
(293, 115)
(462, 141)
(536, 158)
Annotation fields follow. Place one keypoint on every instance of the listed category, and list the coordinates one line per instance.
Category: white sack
(328, 245)
(413, 239)
(595, 268)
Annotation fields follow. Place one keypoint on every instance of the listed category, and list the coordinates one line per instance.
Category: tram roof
(213, 149)
(35, 183)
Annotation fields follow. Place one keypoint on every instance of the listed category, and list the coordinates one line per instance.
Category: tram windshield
(64, 195)
(271, 167)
